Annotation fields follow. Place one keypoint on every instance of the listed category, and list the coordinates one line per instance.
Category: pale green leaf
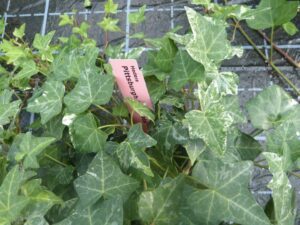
(41, 42)
(2, 28)
(85, 134)
(93, 87)
(227, 197)
(268, 107)
(139, 16)
(66, 20)
(103, 179)
(108, 212)
(194, 148)
(19, 32)
(109, 24)
(11, 203)
(110, 7)
(282, 191)
(140, 109)
(49, 104)
(28, 69)
(161, 206)
(209, 44)
(211, 126)
(290, 28)
(82, 30)
(273, 13)
(185, 70)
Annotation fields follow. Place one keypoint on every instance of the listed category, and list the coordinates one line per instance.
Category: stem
(261, 166)
(283, 53)
(55, 160)
(272, 38)
(282, 75)
(255, 132)
(295, 174)
(111, 125)
(131, 118)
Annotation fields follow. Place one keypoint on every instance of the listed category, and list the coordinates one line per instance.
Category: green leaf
(185, 70)
(241, 12)
(108, 212)
(282, 191)
(268, 107)
(284, 141)
(248, 147)
(168, 135)
(120, 110)
(109, 24)
(232, 107)
(156, 88)
(194, 148)
(93, 87)
(210, 126)
(165, 56)
(137, 137)
(139, 16)
(65, 20)
(71, 64)
(19, 32)
(273, 13)
(42, 42)
(131, 155)
(40, 199)
(290, 28)
(140, 109)
(85, 134)
(103, 179)
(29, 69)
(30, 147)
(82, 30)
(54, 128)
(11, 203)
(49, 104)
(209, 44)
(110, 7)
(8, 109)
(87, 3)
(2, 28)
(227, 197)
(201, 2)
(161, 206)
(13, 53)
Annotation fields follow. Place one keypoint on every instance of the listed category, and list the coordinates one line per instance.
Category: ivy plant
(80, 159)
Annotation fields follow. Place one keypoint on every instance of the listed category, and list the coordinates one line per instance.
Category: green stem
(111, 125)
(55, 160)
(271, 46)
(281, 74)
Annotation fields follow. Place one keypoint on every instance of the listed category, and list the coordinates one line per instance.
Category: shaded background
(42, 16)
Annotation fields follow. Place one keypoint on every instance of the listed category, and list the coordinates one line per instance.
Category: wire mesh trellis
(161, 15)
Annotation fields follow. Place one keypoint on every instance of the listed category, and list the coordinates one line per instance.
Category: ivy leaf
(30, 147)
(209, 44)
(71, 64)
(165, 56)
(65, 20)
(137, 137)
(284, 141)
(137, 17)
(49, 104)
(168, 135)
(85, 134)
(247, 147)
(103, 178)
(42, 44)
(110, 7)
(54, 128)
(92, 88)
(13, 53)
(290, 28)
(109, 24)
(282, 192)
(232, 107)
(185, 70)
(194, 148)
(227, 197)
(29, 69)
(2, 26)
(130, 155)
(19, 32)
(11, 203)
(108, 212)
(156, 88)
(7, 109)
(268, 107)
(273, 13)
(140, 109)
(161, 206)
(210, 126)
(82, 30)
(40, 199)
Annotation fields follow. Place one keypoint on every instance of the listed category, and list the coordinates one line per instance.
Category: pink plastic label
(131, 83)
